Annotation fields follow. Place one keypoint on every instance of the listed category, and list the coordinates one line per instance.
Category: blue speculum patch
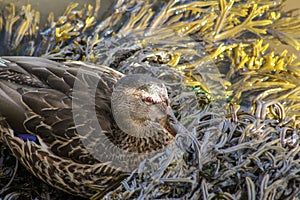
(26, 137)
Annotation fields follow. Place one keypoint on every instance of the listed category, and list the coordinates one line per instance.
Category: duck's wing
(53, 101)
(75, 178)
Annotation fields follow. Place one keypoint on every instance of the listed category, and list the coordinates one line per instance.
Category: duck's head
(141, 107)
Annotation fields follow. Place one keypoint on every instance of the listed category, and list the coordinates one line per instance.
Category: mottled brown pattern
(39, 99)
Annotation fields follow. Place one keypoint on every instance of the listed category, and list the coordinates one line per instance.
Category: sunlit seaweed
(256, 74)
(37, 40)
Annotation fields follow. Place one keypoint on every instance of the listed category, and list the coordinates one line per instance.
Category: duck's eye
(149, 99)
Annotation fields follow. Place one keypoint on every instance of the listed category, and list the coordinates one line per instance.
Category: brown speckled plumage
(37, 97)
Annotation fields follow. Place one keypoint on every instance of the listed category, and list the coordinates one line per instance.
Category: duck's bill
(172, 125)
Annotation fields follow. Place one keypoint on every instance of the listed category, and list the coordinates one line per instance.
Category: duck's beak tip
(172, 125)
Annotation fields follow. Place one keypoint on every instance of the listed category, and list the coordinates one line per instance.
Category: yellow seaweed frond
(248, 24)
(264, 75)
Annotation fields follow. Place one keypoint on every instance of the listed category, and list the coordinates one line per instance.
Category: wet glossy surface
(58, 7)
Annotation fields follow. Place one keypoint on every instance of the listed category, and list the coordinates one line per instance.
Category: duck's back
(52, 101)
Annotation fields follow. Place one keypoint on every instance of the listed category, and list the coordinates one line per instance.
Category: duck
(80, 127)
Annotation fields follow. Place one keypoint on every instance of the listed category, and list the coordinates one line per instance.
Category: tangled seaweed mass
(239, 97)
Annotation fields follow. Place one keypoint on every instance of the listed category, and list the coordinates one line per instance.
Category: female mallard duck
(81, 128)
